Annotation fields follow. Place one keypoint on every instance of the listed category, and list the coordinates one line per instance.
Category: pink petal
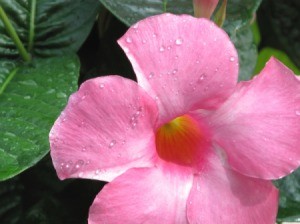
(221, 195)
(106, 128)
(204, 8)
(143, 195)
(258, 126)
(185, 63)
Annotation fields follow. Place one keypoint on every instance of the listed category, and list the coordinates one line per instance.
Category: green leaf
(266, 53)
(247, 51)
(31, 97)
(47, 28)
(10, 197)
(131, 11)
(289, 206)
(279, 22)
(239, 12)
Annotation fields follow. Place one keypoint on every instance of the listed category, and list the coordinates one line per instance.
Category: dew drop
(27, 97)
(197, 62)
(231, 59)
(102, 85)
(202, 77)
(68, 165)
(169, 47)
(150, 76)
(128, 40)
(144, 41)
(79, 164)
(176, 57)
(112, 144)
(97, 172)
(162, 49)
(178, 41)
(174, 71)
(154, 35)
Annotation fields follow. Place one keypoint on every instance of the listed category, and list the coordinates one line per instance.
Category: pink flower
(186, 144)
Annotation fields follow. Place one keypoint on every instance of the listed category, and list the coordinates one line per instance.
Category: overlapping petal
(222, 195)
(145, 195)
(185, 65)
(102, 132)
(258, 126)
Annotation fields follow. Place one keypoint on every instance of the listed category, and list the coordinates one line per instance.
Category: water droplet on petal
(97, 172)
(232, 59)
(202, 77)
(144, 41)
(150, 76)
(128, 40)
(178, 41)
(174, 71)
(162, 49)
(79, 164)
(112, 144)
(102, 85)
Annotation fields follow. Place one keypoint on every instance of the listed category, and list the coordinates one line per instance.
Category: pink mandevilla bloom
(187, 143)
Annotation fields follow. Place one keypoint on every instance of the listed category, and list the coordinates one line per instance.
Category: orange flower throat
(178, 140)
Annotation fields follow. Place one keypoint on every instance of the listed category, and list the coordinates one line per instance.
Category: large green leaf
(289, 207)
(31, 97)
(247, 51)
(239, 12)
(47, 28)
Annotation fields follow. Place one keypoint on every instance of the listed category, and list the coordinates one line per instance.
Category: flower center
(178, 140)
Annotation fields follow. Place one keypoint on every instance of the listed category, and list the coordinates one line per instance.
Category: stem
(165, 2)
(31, 25)
(13, 34)
(7, 81)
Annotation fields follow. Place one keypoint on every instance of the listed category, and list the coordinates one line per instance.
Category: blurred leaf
(289, 207)
(266, 53)
(247, 51)
(49, 27)
(131, 11)
(10, 197)
(31, 97)
(279, 22)
(256, 33)
(239, 12)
